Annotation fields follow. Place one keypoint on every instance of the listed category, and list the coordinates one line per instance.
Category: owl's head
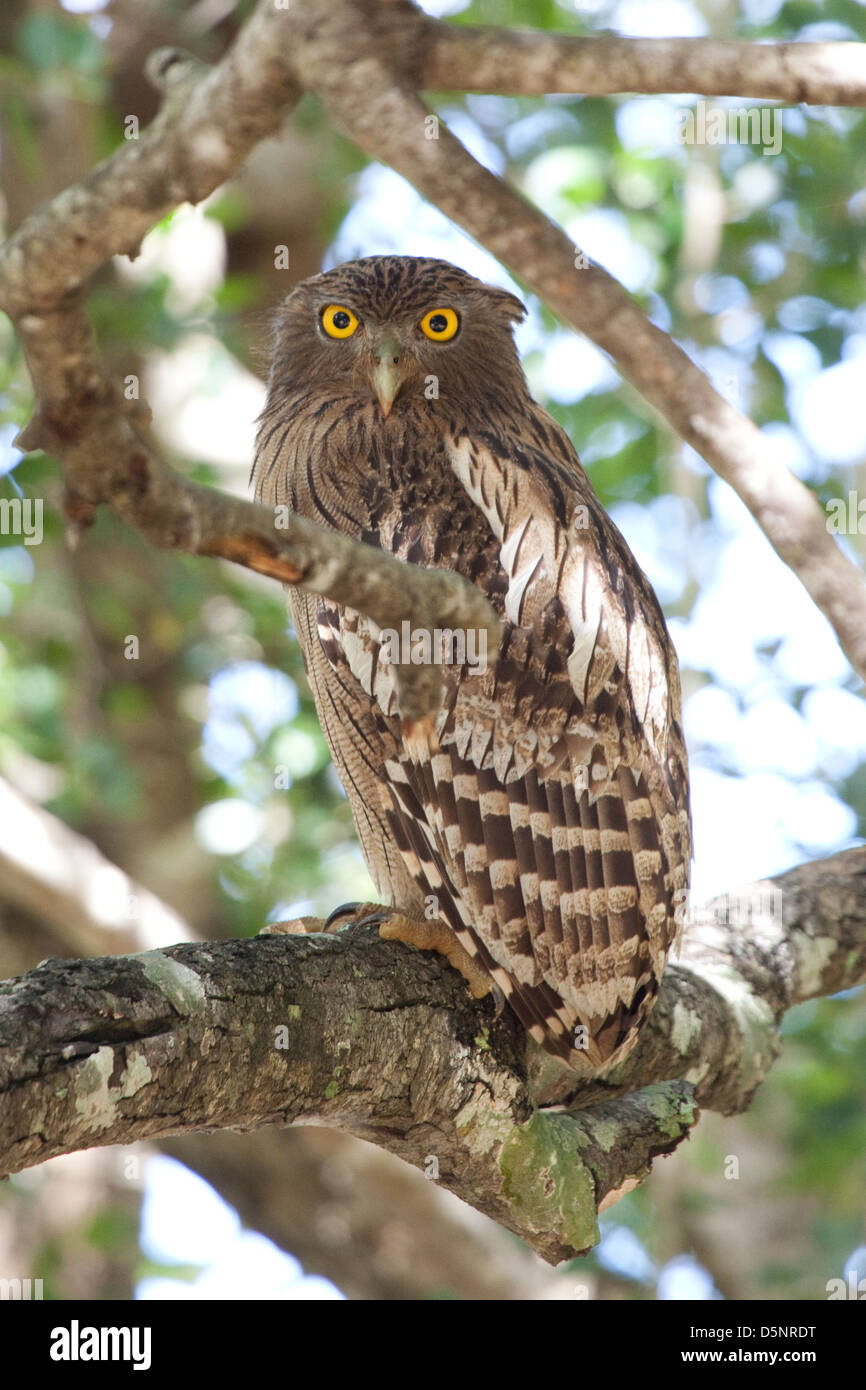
(396, 330)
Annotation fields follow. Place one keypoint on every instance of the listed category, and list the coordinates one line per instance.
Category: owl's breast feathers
(550, 821)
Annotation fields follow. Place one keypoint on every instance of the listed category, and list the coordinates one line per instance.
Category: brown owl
(544, 823)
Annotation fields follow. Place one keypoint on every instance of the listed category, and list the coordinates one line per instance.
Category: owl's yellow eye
(440, 325)
(338, 321)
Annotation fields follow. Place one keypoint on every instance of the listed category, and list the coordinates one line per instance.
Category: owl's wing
(549, 818)
(567, 778)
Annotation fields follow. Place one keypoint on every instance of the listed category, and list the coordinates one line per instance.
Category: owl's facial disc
(389, 370)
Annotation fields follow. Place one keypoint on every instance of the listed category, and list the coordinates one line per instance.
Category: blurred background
(198, 768)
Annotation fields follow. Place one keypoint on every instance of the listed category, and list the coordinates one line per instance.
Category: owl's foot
(426, 935)
(348, 913)
(433, 935)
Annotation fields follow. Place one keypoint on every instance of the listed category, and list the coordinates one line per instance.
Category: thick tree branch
(385, 1042)
(348, 1210)
(342, 1029)
(524, 62)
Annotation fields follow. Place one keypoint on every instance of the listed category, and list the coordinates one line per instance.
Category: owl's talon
(339, 912)
(498, 999)
(350, 911)
(374, 919)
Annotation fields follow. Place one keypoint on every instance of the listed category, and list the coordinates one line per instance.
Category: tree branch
(384, 1041)
(522, 62)
(82, 418)
(324, 1029)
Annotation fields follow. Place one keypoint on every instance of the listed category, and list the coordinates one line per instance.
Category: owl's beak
(388, 372)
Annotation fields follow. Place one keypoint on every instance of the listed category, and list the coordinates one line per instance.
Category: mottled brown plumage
(549, 814)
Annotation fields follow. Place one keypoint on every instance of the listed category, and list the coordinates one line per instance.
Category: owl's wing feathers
(551, 821)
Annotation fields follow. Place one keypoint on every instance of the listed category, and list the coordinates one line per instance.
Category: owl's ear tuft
(512, 306)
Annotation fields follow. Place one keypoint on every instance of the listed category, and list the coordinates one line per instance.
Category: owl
(538, 833)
